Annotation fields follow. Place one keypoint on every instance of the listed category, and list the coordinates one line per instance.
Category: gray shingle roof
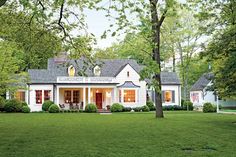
(202, 82)
(128, 84)
(109, 68)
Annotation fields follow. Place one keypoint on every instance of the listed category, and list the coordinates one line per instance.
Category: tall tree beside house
(221, 50)
(156, 12)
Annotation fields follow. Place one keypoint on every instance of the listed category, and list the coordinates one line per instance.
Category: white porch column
(57, 93)
(115, 95)
(89, 93)
(84, 98)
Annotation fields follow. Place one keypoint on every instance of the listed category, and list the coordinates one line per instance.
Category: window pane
(67, 96)
(168, 96)
(76, 96)
(47, 95)
(20, 95)
(129, 95)
(38, 96)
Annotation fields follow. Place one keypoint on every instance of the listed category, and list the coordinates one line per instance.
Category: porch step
(103, 111)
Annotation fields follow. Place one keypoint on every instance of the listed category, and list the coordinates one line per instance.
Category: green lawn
(123, 134)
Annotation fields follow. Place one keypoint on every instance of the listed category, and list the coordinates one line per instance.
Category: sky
(97, 24)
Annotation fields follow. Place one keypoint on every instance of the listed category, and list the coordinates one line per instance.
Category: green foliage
(127, 109)
(116, 107)
(151, 106)
(172, 108)
(13, 105)
(46, 105)
(24, 103)
(90, 108)
(145, 108)
(188, 105)
(137, 109)
(25, 109)
(2, 103)
(208, 107)
(53, 109)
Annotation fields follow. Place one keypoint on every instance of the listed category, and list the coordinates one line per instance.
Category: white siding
(175, 88)
(32, 100)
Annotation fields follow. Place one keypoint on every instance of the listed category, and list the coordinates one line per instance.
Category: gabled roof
(109, 68)
(128, 84)
(202, 82)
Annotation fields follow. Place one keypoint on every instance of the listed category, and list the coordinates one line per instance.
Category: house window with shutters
(168, 96)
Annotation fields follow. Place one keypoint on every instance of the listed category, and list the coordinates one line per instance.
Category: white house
(200, 93)
(108, 82)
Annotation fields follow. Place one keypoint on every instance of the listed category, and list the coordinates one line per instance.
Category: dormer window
(71, 71)
(97, 70)
(127, 73)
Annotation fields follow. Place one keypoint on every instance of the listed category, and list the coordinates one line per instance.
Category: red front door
(99, 100)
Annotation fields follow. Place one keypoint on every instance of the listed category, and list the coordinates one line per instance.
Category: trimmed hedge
(145, 108)
(137, 109)
(187, 105)
(151, 106)
(53, 109)
(116, 107)
(46, 105)
(13, 105)
(2, 103)
(208, 107)
(127, 109)
(25, 109)
(24, 103)
(91, 108)
(172, 108)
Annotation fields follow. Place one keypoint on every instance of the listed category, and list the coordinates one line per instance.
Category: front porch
(79, 97)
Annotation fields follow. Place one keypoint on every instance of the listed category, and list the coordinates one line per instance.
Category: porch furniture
(62, 106)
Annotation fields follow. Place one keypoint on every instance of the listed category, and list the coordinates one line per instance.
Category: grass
(120, 134)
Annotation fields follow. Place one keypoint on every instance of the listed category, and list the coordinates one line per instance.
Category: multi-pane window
(38, 96)
(168, 96)
(20, 95)
(47, 94)
(76, 96)
(129, 95)
(127, 73)
(67, 96)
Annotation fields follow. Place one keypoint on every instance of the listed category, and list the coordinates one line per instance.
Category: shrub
(145, 108)
(13, 105)
(127, 109)
(24, 103)
(137, 109)
(53, 109)
(46, 105)
(90, 108)
(151, 106)
(2, 103)
(172, 108)
(208, 107)
(116, 107)
(188, 105)
(25, 109)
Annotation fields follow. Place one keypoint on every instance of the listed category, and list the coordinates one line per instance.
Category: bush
(24, 103)
(151, 106)
(127, 109)
(208, 107)
(137, 109)
(2, 103)
(90, 108)
(53, 109)
(46, 105)
(25, 109)
(172, 108)
(145, 108)
(116, 107)
(187, 105)
(13, 105)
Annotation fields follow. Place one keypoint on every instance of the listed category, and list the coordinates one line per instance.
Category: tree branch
(2, 2)
(163, 16)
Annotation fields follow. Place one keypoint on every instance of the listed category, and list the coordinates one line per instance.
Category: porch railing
(65, 79)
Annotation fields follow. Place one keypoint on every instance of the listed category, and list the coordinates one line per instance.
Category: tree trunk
(156, 55)
(173, 59)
